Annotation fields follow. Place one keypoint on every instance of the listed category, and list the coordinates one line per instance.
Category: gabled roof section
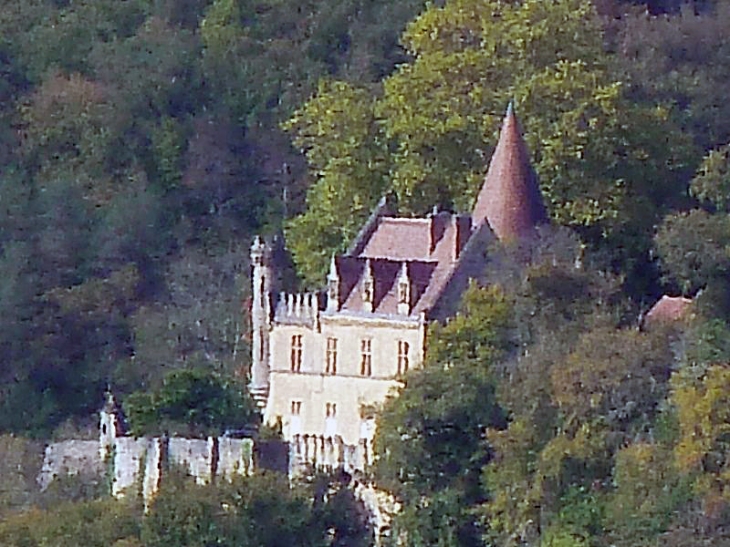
(510, 200)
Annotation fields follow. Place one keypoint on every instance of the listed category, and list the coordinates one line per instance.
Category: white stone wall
(129, 459)
(69, 458)
(146, 455)
(235, 457)
(348, 389)
(193, 454)
(152, 469)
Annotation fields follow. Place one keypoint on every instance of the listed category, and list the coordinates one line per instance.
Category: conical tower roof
(510, 199)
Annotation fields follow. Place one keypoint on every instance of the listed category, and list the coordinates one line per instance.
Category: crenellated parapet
(297, 309)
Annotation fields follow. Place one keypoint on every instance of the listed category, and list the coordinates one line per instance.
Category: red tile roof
(667, 310)
(510, 199)
(400, 239)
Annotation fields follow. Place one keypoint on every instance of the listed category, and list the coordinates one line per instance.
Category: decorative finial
(403, 271)
(404, 290)
(333, 268)
(510, 108)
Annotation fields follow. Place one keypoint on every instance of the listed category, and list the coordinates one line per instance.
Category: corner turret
(510, 200)
(260, 321)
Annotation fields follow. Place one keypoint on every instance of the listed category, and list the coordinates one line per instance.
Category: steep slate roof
(429, 247)
(510, 199)
(385, 282)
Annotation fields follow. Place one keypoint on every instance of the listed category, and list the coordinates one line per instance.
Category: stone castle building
(323, 363)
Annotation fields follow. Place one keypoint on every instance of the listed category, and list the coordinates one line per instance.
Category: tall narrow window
(296, 408)
(331, 357)
(366, 357)
(296, 353)
(367, 292)
(331, 410)
(403, 358)
(403, 292)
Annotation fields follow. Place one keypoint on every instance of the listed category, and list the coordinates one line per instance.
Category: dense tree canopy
(140, 149)
(190, 402)
(139, 153)
(258, 511)
(607, 166)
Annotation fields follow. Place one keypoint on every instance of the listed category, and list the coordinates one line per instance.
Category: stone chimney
(462, 233)
(438, 221)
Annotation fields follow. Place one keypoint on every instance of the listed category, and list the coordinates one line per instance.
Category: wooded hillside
(144, 142)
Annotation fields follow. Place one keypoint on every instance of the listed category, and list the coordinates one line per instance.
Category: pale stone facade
(322, 364)
(337, 402)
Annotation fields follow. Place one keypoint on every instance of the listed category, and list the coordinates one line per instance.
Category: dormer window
(368, 287)
(403, 292)
(367, 292)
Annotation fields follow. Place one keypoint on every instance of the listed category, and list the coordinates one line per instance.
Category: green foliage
(612, 384)
(692, 248)
(140, 148)
(711, 184)
(20, 463)
(606, 165)
(344, 145)
(430, 455)
(648, 491)
(189, 402)
(258, 511)
(681, 60)
(93, 524)
(707, 343)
